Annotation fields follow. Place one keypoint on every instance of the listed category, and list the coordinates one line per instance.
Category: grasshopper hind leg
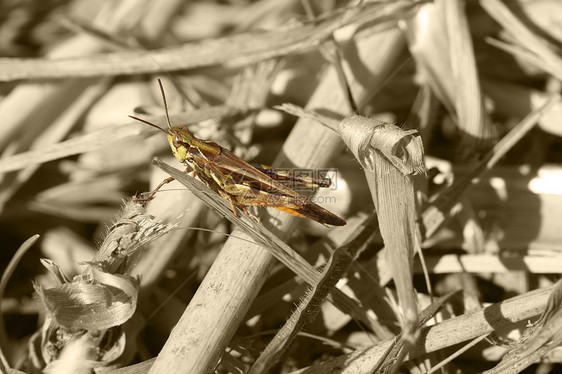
(249, 214)
(234, 204)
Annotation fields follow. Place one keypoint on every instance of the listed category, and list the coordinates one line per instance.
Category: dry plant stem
(390, 361)
(101, 138)
(156, 17)
(34, 101)
(140, 368)
(6, 275)
(444, 334)
(457, 353)
(238, 273)
(536, 340)
(56, 132)
(29, 117)
(305, 313)
(237, 50)
(435, 214)
(309, 306)
(448, 264)
(337, 238)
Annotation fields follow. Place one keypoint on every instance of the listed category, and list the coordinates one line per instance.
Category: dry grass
(450, 257)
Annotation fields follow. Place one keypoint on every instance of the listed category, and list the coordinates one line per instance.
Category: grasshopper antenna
(165, 103)
(149, 123)
(165, 107)
(194, 100)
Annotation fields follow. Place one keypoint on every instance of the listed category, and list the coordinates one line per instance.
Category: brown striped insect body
(239, 182)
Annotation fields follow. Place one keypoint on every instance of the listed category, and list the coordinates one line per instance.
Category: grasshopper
(238, 182)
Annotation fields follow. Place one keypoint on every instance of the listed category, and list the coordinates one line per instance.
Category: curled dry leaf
(97, 300)
(401, 148)
(91, 307)
(389, 155)
(86, 314)
(100, 349)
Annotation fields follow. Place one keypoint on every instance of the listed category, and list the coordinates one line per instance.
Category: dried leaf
(97, 302)
(528, 44)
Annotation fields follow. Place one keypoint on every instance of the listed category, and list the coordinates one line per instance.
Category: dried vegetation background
(440, 123)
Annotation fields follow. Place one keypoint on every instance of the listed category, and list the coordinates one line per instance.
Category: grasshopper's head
(180, 139)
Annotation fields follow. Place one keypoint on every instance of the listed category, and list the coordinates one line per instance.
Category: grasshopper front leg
(188, 170)
(151, 196)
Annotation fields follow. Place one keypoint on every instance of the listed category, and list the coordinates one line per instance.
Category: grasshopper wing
(258, 189)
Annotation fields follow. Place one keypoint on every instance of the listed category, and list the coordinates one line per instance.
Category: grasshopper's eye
(176, 142)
